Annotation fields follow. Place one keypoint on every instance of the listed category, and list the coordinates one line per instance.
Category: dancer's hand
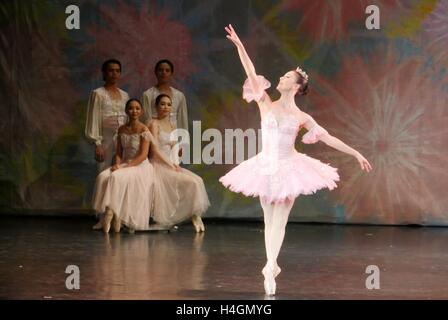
(232, 36)
(99, 154)
(176, 168)
(365, 165)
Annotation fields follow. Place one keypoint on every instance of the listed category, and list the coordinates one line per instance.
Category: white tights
(275, 219)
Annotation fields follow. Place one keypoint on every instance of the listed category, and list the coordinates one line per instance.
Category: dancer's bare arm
(244, 57)
(337, 144)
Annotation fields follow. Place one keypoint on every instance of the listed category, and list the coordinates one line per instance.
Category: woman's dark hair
(164, 61)
(304, 88)
(160, 96)
(107, 63)
(129, 102)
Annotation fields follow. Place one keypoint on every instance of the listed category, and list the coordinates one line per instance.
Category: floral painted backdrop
(384, 92)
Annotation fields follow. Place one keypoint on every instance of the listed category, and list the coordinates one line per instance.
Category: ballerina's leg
(268, 210)
(280, 219)
(275, 219)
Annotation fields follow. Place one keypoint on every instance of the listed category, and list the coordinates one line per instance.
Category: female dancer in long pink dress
(178, 196)
(124, 192)
(265, 174)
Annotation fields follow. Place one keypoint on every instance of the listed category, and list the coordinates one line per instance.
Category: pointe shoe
(198, 224)
(108, 216)
(116, 223)
(269, 282)
(277, 271)
(270, 287)
(98, 226)
(201, 224)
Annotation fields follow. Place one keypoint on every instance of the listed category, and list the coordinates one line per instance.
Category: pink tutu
(279, 172)
(297, 174)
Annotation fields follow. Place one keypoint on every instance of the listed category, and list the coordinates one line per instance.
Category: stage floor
(318, 261)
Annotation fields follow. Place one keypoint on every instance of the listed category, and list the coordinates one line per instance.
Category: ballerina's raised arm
(256, 83)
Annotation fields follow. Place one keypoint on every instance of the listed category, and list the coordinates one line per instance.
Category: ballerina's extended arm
(244, 57)
(333, 142)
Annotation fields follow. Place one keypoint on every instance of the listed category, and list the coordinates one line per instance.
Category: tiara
(302, 73)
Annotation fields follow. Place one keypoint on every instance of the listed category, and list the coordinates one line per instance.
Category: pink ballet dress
(177, 195)
(129, 190)
(279, 173)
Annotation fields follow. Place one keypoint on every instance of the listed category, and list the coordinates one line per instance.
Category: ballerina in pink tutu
(265, 174)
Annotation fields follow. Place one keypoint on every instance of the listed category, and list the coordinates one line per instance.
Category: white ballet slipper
(269, 282)
(99, 224)
(108, 216)
(270, 273)
(198, 224)
(116, 223)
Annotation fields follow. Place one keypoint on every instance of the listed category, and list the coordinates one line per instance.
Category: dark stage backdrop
(384, 92)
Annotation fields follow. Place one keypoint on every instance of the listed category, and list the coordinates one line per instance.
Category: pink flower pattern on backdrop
(436, 32)
(141, 38)
(391, 113)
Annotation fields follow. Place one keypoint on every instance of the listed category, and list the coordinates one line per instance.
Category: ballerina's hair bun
(303, 81)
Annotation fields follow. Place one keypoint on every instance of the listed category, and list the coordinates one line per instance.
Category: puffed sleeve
(314, 135)
(182, 114)
(126, 96)
(251, 94)
(146, 135)
(93, 122)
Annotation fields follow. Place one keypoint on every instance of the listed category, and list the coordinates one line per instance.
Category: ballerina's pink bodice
(278, 136)
(130, 143)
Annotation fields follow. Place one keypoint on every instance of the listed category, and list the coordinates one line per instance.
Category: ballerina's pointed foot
(269, 283)
(270, 274)
(116, 223)
(98, 226)
(269, 287)
(198, 224)
(108, 216)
